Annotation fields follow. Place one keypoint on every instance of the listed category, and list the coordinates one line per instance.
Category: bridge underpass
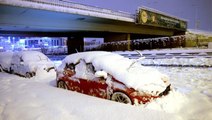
(76, 21)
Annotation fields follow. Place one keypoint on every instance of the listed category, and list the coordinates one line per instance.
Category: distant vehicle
(111, 76)
(5, 61)
(26, 63)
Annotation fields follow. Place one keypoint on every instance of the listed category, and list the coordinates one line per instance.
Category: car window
(15, 59)
(31, 58)
(43, 58)
(70, 66)
(21, 59)
(90, 68)
(69, 69)
(84, 70)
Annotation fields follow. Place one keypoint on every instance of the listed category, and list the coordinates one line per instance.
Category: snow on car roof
(138, 77)
(31, 55)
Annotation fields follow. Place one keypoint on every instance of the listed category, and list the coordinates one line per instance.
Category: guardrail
(70, 4)
(168, 53)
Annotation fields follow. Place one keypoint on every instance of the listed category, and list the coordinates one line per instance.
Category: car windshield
(84, 70)
(42, 58)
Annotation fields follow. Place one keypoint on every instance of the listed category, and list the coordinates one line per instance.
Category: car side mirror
(101, 74)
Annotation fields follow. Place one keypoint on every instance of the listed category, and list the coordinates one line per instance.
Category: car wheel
(28, 75)
(121, 97)
(1, 69)
(11, 71)
(62, 84)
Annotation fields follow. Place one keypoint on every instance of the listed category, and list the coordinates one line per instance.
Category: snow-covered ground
(37, 98)
(195, 84)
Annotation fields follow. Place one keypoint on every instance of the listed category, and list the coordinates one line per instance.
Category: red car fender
(135, 96)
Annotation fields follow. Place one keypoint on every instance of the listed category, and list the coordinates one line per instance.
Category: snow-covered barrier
(179, 62)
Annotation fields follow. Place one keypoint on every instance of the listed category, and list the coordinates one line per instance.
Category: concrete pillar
(75, 44)
(129, 42)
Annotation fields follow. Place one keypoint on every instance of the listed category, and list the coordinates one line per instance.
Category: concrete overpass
(65, 18)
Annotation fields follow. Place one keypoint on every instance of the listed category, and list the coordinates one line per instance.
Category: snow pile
(172, 103)
(195, 83)
(23, 99)
(37, 98)
(128, 71)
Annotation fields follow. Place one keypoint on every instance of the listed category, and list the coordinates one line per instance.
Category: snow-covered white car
(27, 63)
(5, 61)
(111, 76)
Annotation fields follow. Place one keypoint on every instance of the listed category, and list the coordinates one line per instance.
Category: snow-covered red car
(27, 63)
(111, 76)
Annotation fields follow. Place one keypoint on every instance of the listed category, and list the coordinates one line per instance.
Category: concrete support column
(75, 44)
(128, 42)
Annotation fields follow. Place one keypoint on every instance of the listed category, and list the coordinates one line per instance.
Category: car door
(80, 81)
(92, 85)
(14, 63)
(22, 66)
(98, 87)
(18, 64)
(84, 80)
(74, 73)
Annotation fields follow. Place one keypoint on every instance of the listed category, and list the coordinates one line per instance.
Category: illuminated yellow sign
(147, 17)
(144, 16)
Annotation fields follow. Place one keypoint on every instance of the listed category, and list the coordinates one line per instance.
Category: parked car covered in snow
(111, 76)
(27, 63)
(5, 61)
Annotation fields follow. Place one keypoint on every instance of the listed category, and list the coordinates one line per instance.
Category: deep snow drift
(195, 85)
(38, 99)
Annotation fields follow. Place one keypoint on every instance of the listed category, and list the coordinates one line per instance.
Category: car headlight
(137, 93)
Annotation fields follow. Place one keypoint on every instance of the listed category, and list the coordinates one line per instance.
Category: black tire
(62, 84)
(1, 69)
(33, 74)
(28, 75)
(11, 71)
(121, 97)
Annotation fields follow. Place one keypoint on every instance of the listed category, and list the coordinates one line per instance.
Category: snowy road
(38, 99)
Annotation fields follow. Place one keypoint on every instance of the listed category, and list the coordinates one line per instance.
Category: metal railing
(69, 4)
